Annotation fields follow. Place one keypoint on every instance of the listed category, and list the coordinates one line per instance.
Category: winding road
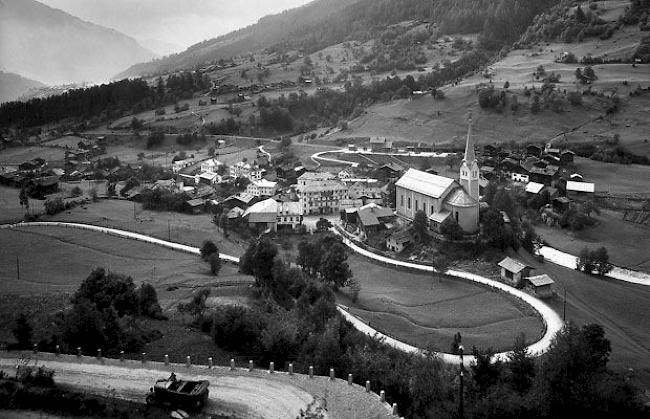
(551, 320)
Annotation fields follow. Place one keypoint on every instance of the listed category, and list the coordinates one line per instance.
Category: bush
(54, 206)
(575, 98)
(76, 191)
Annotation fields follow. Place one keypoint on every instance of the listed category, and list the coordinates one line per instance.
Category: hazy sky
(179, 22)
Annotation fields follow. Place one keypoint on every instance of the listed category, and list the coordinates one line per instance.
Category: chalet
(372, 217)
(397, 241)
(579, 189)
(194, 206)
(207, 178)
(242, 200)
(567, 157)
(380, 144)
(179, 165)
(262, 215)
(32, 165)
(490, 150)
(533, 150)
(561, 204)
(389, 171)
(540, 285)
(513, 271)
(44, 185)
(509, 164)
(544, 175)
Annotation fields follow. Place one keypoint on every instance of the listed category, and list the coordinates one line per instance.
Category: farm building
(441, 197)
(513, 271)
(271, 215)
(561, 203)
(397, 241)
(579, 189)
(390, 170)
(540, 285)
(533, 150)
(368, 218)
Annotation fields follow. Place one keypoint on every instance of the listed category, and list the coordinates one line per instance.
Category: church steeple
(469, 146)
(469, 170)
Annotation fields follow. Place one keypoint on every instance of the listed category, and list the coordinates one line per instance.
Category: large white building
(210, 165)
(243, 169)
(321, 193)
(442, 197)
(262, 187)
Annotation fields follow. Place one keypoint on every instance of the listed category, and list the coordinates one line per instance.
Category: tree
(421, 226)
(23, 332)
(451, 230)
(323, 224)
(490, 192)
(148, 302)
(285, 144)
(334, 268)
(455, 344)
(207, 249)
(23, 199)
(485, 372)
(601, 260)
(197, 305)
(76, 191)
(258, 261)
(521, 366)
(215, 263)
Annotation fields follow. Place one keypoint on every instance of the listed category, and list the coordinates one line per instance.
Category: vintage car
(179, 393)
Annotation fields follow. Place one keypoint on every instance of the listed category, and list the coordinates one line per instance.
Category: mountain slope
(47, 44)
(12, 86)
(268, 31)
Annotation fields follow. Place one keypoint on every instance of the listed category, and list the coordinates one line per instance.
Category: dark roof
(46, 181)
(401, 237)
(540, 280)
(195, 202)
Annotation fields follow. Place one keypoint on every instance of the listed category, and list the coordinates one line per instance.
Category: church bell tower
(469, 170)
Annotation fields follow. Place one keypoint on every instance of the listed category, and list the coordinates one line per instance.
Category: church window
(416, 205)
(408, 203)
(456, 216)
(432, 209)
(401, 199)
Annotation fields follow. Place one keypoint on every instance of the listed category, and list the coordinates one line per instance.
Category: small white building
(243, 169)
(534, 187)
(579, 189)
(179, 165)
(262, 187)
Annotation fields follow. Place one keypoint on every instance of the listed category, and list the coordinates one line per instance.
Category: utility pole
(461, 413)
(564, 308)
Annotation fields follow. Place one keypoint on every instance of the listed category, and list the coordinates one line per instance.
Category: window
(432, 209)
(408, 203)
(401, 200)
(416, 205)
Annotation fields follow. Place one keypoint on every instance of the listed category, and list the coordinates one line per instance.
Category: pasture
(427, 311)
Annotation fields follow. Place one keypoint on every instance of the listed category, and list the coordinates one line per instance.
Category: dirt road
(238, 393)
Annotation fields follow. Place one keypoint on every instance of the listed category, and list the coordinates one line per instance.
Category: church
(442, 197)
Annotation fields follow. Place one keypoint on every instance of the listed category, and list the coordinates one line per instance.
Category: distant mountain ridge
(13, 86)
(47, 44)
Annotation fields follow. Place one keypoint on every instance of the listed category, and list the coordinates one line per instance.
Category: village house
(534, 188)
(513, 271)
(540, 285)
(397, 241)
(262, 187)
(242, 200)
(380, 144)
(533, 150)
(368, 218)
(42, 186)
(320, 193)
(389, 171)
(243, 169)
(272, 215)
(490, 150)
(440, 197)
(210, 165)
(207, 178)
(195, 206)
(561, 204)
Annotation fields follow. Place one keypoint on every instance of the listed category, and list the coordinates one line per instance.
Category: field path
(237, 393)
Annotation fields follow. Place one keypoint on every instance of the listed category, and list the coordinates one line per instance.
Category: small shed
(195, 206)
(514, 271)
(398, 241)
(540, 285)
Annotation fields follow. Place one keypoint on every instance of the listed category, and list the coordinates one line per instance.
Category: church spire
(469, 146)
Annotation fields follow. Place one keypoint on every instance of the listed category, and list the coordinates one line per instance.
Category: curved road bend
(551, 320)
(238, 393)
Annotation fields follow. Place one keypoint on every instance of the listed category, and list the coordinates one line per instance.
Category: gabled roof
(316, 176)
(580, 186)
(540, 280)
(425, 183)
(512, 265)
(195, 202)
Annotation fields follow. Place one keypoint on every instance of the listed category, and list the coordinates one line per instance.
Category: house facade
(262, 188)
(321, 193)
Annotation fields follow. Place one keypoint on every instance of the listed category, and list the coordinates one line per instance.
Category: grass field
(427, 311)
(615, 178)
(627, 243)
(15, 155)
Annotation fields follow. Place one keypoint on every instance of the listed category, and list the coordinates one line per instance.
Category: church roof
(425, 183)
(470, 156)
(459, 198)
